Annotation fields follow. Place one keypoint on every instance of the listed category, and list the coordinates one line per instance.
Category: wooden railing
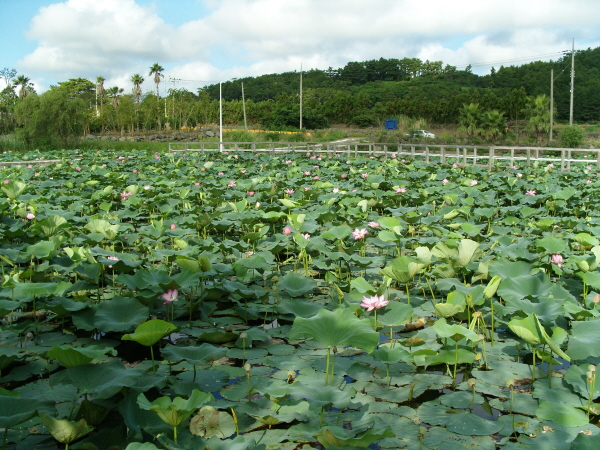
(456, 154)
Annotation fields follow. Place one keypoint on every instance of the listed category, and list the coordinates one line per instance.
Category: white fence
(459, 154)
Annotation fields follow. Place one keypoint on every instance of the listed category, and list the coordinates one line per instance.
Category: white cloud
(117, 38)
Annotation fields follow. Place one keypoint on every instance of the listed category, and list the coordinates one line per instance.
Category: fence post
(491, 158)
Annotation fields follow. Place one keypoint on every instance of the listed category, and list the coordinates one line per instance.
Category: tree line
(360, 94)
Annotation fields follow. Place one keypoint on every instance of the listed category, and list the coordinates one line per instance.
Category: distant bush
(296, 137)
(273, 137)
(572, 137)
(238, 136)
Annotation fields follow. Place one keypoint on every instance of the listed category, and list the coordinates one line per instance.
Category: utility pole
(551, 101)
(244, 107)
(220, 117)
(300, 96)
(572, 82)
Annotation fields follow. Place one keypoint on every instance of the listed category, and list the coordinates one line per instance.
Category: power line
(524, 58)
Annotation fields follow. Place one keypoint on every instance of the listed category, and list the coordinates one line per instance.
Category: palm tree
(114, 93)
(99, 92)
(25, 84)
(471, 118)
(137, 80)
(156, 69)
(539, 115)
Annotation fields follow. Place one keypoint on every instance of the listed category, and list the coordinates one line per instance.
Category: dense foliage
(361, 94)
(285, 301)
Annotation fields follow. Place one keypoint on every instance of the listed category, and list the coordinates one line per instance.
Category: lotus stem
(152, 356)
(455, 360)
(175, 434)
(327, 366)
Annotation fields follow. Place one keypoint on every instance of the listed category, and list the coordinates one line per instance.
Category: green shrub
(295, 137)
(572, 136)
(273, 137)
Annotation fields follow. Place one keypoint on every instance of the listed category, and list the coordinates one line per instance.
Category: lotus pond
(293, 301)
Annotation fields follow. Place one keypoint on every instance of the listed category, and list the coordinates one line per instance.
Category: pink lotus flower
(336, 190)
(530, 192)
(307, 173)
(196, 184)
(400, 190)
(305, 236)
(134, 170)
(343, 175)
(359, 234)
(112, 258)
(393, 155)
(78, 169)
(519, 175)
(220, 173)
(287, 230)
(551, 165)
(307, 188)
(289, 191)
(170, 296)
(250, 193)
(147, 187)
(557, 259)
(173, 226)
(6, 181)
(374, 302)
(454, 166)
(445, 181)
(374, 224)
(30, 216)
(289, 161)
(243, 171)
(231, 184)
(365, 175)
(30, 166)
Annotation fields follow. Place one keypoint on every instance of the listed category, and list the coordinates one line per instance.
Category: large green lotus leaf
(468, 251)
(551, 244)
(389, 355)
(531, 331)
(70, 356)
(448, 309)
(461, 399)
(440, 438)
(8, 355)
(394, 314)
(336, 437)
(402, 269)
(585, 442)
(104, 227)
(560, 392)
(150, 332)
(449, 355)
(51, 225)
(203, 354)
(65, 431)
(298, 307)
(509, 269)
(576, 377)
(295, 284)
(99, 380)
(209, 422)
(242, 442)
(586, 239)
(561, 414)
(13, 189)
(16, 410)
(584, 340)
(340, 232)
(120, 314)
(319, 396)
(361, 285)
(40, 289)
(141, 446)
(253, 262)
(547, 309)
(387, 236)
(516, 288)
(590, 278)
(445, 330)
(174, 412)
(456, 421)
(336, 328)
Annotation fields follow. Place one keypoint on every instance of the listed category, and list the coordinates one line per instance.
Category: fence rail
(459, 154)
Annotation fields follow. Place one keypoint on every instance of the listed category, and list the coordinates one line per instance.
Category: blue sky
(199, 42)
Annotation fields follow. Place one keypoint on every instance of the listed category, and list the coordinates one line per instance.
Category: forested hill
(427, 89)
